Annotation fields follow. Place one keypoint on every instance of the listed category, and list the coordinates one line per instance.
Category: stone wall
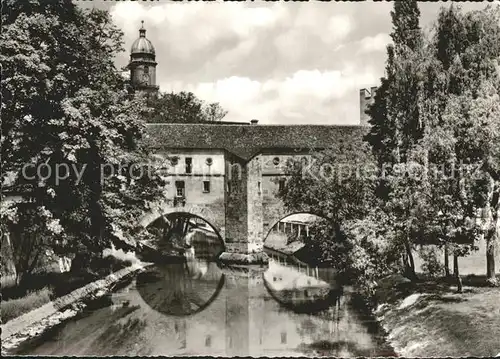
(254, 205)
(236, 211)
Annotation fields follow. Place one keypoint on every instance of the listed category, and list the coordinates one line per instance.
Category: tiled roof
(247, 141)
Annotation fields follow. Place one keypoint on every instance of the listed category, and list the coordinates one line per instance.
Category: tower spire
(142, 30)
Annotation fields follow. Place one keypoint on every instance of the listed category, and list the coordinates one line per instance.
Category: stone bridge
(230, 175)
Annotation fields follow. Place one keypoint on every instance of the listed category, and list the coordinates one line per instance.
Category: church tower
(142, 64)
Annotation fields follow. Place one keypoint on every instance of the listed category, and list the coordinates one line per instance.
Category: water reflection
(193, 307)
(301, 288)
(181, 288)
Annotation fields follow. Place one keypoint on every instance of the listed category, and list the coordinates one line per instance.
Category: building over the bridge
(230, 173)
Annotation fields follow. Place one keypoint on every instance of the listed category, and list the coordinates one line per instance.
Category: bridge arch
(277, 219)
(207, 213)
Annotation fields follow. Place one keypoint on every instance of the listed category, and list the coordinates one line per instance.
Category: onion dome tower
(142, 64)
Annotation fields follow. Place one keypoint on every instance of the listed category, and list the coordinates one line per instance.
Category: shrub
(431, 264)
(15, 307)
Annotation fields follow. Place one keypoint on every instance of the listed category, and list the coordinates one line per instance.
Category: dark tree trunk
(490, 260)
(491, 234)
(457, 274)
(410, 263)
(446, 260)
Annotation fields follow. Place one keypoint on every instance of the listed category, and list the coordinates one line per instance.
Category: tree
(396, 122)
(440, 95)
(468, 49)
(336, 184)
(65, 109)
(40, 232)
(182, 107)
(214, 112)
(394, 115)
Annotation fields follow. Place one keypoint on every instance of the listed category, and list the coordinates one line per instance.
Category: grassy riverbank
(42, 288)
(13, 308)
(431, 319)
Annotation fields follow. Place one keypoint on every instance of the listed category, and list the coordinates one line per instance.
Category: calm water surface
(199, 308)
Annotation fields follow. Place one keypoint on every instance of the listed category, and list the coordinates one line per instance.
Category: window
(206, 186)
(174, 161)
(259, 187)
(281, 184)
(276, 161)
(179, 188)
(208, 341)
(189, 162)
(209, 161)
(229, 187)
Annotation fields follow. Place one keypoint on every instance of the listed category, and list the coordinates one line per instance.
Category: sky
(277, 62)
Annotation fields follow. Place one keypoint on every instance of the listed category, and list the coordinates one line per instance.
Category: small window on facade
(209, 161)
(206, 186)
(259, 186)
(208, 341)
(179, 188)
(281, 184)
(276, 161)
(189, 162)
(229, 187)
(174, 161)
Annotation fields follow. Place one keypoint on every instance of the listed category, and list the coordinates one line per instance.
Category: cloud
(280, 63)
(307, 96)
(375, 43)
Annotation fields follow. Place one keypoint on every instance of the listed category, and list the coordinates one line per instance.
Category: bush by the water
(431, 263)
(15, 307)
(64, 283)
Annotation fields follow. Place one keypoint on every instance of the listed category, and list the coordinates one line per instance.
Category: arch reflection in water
(300, 288)
(181, 289)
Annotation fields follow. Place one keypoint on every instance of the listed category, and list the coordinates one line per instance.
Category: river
(201, 308)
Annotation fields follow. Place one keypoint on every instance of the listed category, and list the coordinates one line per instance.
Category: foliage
(40, 231)
(395, 111)
(182, 107)
(396, 124)
(468, 48)
(431, 265)
(335, 184)
(437, 110)
(65, 104)
(338, 185)
(435, 135)
(16, 307)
